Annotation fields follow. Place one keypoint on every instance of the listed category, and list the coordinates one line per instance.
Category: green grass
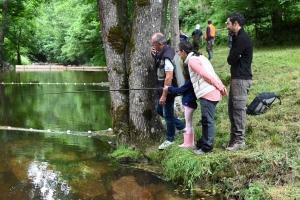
(127, 154)
(269, 166)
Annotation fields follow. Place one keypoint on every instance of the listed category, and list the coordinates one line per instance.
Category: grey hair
(161, 39)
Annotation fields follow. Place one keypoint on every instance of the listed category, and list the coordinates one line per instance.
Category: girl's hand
(224, 91)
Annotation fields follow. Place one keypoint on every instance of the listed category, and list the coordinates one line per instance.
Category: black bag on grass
(261, 103)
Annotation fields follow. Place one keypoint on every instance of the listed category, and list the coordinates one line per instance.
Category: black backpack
(262, 103)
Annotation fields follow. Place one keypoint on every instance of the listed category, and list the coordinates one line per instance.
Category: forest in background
(68, 32)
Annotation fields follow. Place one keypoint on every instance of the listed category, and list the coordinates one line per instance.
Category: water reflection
(48, 165)
(26, 106)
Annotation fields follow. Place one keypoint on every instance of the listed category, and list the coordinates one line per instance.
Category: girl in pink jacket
(208, 89)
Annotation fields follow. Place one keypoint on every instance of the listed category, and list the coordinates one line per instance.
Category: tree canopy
(68, 31)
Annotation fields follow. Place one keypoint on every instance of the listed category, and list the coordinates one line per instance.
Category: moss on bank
(268, 167)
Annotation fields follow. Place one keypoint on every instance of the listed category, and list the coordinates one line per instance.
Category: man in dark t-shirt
(197, 35)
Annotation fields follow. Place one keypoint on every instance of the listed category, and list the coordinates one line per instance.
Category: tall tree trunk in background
(174, 30)
(2, 34)
(19, 61)
(130, 65)
(276, 23)
(163, 28)
(174, 23)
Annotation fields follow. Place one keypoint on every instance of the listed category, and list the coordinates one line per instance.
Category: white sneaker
(165, 144)
(180, 131)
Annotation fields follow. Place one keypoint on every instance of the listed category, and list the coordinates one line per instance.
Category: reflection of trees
(73, 111)
(3, 99)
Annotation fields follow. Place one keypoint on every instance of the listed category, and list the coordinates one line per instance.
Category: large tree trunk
(145, 121)
(114, 47)
(2, 34)
(130, 66)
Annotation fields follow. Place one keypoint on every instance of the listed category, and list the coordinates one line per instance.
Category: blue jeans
(205, 143)
(167, 112)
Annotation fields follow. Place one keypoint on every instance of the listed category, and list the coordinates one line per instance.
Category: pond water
(51, 165)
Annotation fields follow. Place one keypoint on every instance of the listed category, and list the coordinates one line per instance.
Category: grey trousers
(239, 89)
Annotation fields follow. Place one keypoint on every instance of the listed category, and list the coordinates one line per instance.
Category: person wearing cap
(197, 35)
(210, 36)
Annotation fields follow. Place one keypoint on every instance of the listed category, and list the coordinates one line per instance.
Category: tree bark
(174, 30)
(163, 28)
(145, 121)
(130, 66)
(19, 60)
(276, 22)
(114, 47)
(174, 23)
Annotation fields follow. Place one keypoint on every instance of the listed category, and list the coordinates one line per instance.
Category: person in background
(240, 60)
(164, 76)
(197, 36)
(210, 36)
(190, 105)
(182, 36)
(208, 89)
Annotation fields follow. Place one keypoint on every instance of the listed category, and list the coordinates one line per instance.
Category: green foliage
(268, 22)
(192, 13)
(73, 36)
(254, 192)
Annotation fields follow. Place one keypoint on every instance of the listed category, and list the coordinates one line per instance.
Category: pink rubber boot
(188, 140)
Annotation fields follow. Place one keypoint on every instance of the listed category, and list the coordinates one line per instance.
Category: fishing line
(80, 91)
(83, 91)
(39, 83)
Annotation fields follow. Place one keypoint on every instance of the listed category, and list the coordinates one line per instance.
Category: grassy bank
(269, 166)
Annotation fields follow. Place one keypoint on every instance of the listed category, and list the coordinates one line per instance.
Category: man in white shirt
(164, 66)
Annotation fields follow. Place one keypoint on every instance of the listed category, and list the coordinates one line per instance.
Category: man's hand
(162, 100)
(153, 52)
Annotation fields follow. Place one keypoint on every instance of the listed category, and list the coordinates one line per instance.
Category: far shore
(55, 67)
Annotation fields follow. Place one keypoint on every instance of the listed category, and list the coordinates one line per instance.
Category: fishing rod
(82, 91)
(40, 83)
